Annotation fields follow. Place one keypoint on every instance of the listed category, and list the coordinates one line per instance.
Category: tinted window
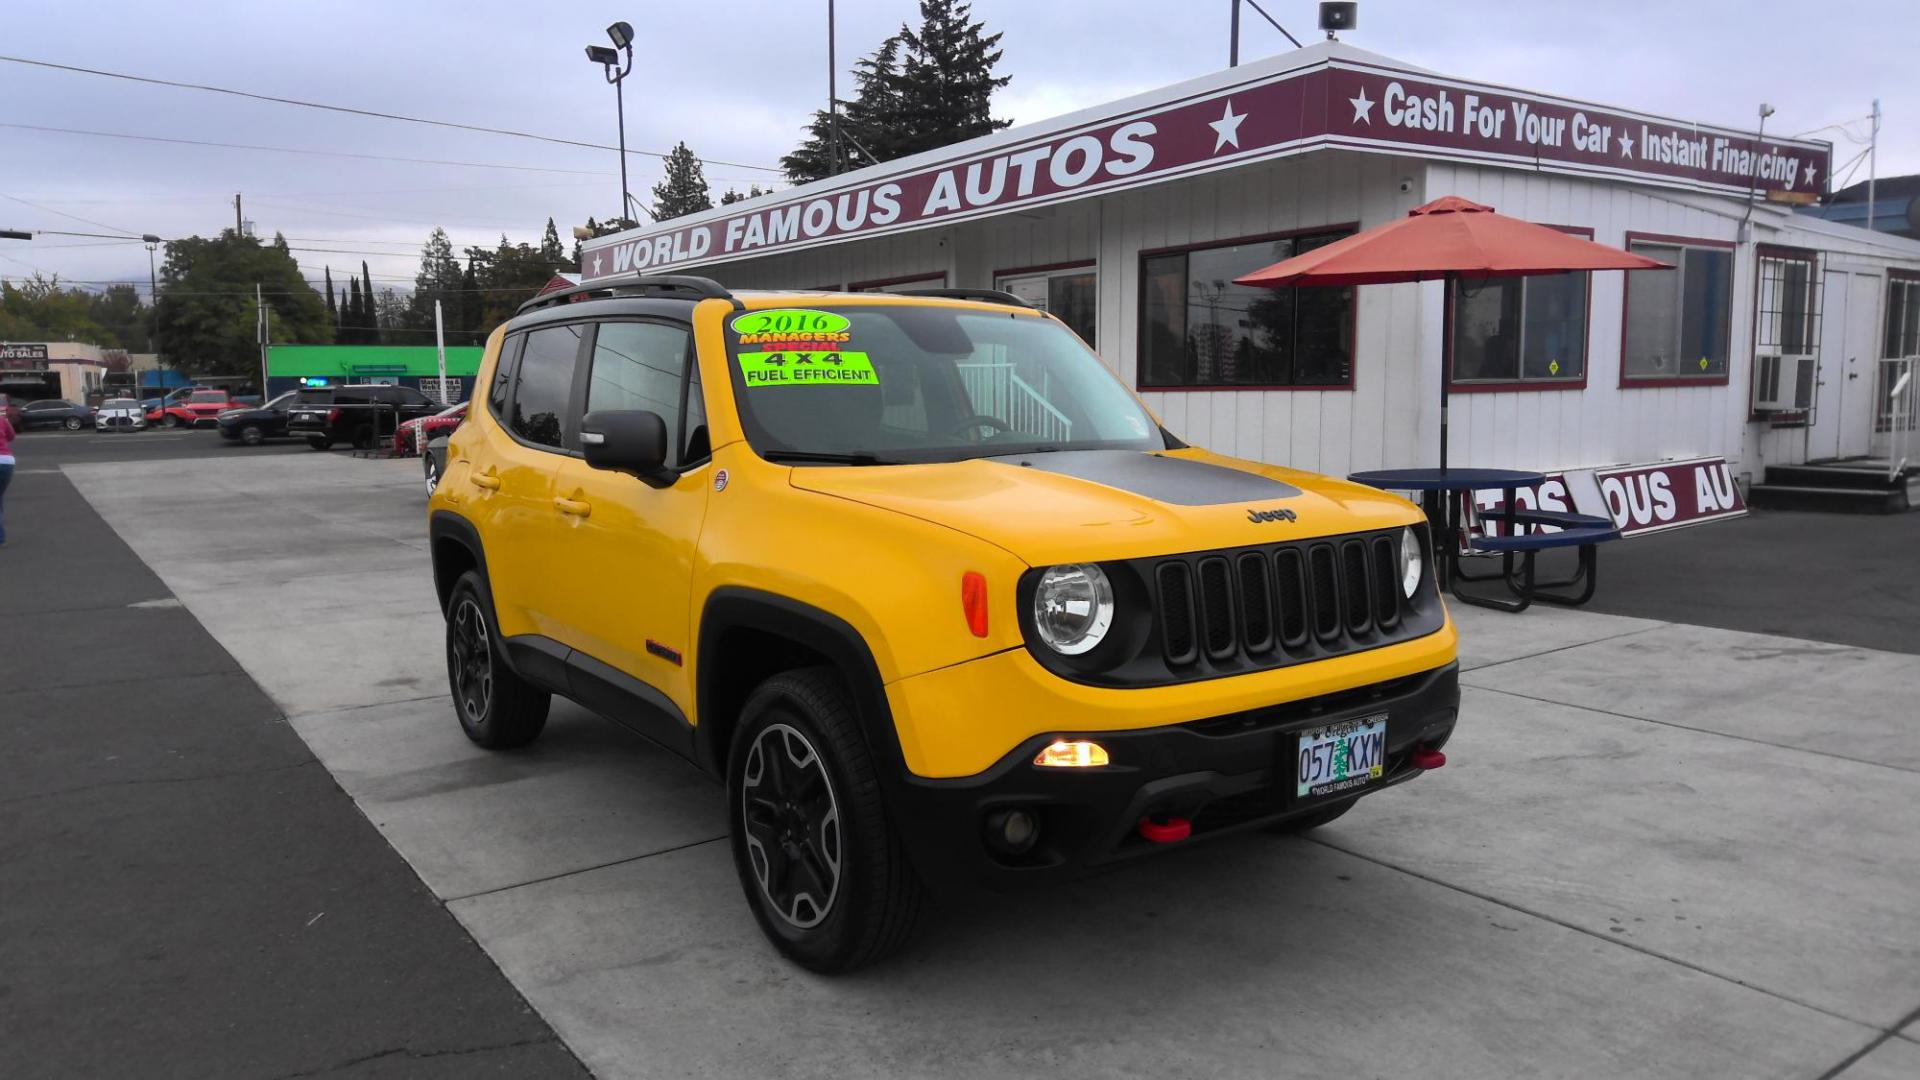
(1198, 328)
(544, 383)
(410, 396)
(640, 366)
(313, 397)
(497, 392)
(352, 395)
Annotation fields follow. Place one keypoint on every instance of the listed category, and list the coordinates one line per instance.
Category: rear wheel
(252, 435)
(433, 476)
(175, 422)
(497, 708)
(72, 423)
(822, 867)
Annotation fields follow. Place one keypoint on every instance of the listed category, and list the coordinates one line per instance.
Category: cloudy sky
(737, 82)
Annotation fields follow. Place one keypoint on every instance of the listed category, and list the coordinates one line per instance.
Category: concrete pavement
(1658, 850)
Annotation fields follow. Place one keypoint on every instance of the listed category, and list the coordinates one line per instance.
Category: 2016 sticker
(807, 367)
(790, 324)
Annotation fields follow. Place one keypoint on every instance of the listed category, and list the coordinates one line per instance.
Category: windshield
(208, 397)
(119, 403)
(898, 383)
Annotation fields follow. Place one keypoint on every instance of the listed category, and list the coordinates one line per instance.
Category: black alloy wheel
(792, 824)
(496, 707)
(252, 435)
(433, 476)
(823, 867)
(72, 423)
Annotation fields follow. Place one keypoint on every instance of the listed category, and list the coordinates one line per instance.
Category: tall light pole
(609, 60)
(153, 317)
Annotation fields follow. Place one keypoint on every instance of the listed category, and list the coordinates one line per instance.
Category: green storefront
(294, 367)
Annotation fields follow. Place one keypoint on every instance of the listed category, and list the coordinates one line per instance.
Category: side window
(695, 445)
(410, 396)
(641, 366)
(497, 391)
(544, 384)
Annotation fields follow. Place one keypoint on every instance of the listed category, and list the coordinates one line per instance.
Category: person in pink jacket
(6, 472)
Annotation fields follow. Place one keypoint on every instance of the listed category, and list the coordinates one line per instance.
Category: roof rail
(675, 285)
(985, 296)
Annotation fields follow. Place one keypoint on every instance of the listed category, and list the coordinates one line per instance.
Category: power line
(62, 213)
(365, 112)
(296, 150)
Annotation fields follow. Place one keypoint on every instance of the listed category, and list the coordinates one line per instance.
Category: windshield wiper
(820, 457)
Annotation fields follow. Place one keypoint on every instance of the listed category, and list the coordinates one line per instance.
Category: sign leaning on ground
(1338, 103)
(1640, 498)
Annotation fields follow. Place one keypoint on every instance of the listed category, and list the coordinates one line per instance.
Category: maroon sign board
(1338, 103)
(1641, 499)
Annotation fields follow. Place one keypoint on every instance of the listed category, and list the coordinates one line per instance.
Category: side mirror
(632, 441)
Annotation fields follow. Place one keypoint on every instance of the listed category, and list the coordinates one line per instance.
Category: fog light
(1013, 831)
(1072, 754)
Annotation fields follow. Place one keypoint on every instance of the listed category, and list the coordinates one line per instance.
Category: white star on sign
(1810, 171)
(596, 264)
(1226, 130)
(1626, 145)
(1362, 108)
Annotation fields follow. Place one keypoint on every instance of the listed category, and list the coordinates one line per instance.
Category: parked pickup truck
(201, 408)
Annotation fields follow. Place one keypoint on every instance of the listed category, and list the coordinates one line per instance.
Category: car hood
(1084, 505)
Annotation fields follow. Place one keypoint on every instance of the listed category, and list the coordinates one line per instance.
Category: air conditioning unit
(1783, 383)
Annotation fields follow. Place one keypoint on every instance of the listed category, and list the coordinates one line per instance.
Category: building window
(903, 284)
(1900, 357)
(1521, 332)
(1678, 322)
(1199, 329)
(1068, 293)
(1903, 318)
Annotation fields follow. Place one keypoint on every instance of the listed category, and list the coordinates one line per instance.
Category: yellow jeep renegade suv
(926, 586)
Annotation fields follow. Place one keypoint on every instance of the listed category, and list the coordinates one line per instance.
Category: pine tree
(550, 248)
(352, 320)
(438, 279)
(684, 188)
(733, 196)
(333, 315)
(869, 129)
(947, 79)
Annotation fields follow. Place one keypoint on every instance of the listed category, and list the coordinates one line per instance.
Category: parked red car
(414, 434)
(201, 408)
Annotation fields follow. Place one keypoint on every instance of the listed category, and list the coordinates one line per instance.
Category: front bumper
(1223, 774)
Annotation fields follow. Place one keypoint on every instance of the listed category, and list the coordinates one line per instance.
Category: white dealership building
(1777, 338)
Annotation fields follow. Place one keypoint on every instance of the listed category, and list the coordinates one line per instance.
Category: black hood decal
(1171, 480)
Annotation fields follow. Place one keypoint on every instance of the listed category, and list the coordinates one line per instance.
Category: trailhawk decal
(800, 347)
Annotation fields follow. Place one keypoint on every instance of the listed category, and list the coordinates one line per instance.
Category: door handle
(485, 480)
(574, 507)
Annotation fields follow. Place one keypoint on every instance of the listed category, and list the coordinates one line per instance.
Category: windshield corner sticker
(799, 347)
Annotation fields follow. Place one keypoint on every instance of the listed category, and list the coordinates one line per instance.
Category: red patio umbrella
(1448, 238)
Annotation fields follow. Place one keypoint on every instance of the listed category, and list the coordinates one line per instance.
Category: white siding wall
(1391, 416)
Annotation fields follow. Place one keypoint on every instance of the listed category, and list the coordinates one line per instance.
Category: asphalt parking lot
(1659, 849)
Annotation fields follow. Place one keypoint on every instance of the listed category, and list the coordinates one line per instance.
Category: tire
(433, 476)
(812, 820)
(72, 423)
(252, 435)
(496, 707)
(319, 442)
(1310, 821)
(175, 422)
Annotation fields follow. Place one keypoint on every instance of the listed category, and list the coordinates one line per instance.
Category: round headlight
(1409, 562)
(1073, 607)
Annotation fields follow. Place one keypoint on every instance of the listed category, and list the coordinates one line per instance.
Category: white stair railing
(997, 390)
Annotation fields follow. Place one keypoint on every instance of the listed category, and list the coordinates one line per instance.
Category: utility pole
(1873, 159)
(833, 100)
(440, 341)
(264, 331)
(1233, 49)
(238, 227)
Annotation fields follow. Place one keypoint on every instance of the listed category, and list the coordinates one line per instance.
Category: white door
(1830, 375)
(1858, 366)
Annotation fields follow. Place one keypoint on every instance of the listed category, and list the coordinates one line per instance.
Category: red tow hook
(1425, 757)
(1166, 830)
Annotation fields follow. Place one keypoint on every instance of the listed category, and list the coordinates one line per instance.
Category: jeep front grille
(1220, 612)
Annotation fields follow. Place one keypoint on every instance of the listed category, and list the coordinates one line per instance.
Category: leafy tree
(684, 188)
(39, 309)
(207, 315)
(731, 196)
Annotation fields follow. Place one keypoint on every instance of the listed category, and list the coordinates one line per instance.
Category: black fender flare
(445, 525)
(730, 607)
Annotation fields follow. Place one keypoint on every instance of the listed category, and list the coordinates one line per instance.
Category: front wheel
(823, 869)
(497, 708)
(433, 476)
(175, 422)
(252, 435)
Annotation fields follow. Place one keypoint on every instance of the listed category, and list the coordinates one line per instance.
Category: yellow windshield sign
(807, 367)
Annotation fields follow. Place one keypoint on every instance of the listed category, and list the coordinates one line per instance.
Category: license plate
(1341, 757)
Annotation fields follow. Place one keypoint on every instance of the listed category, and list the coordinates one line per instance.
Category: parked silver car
(120, 414)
